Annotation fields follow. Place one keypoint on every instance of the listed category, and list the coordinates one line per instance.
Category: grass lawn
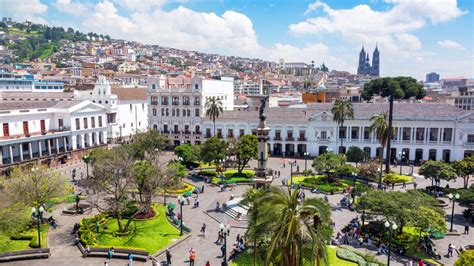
(7, 244)
(233, 176)
(151, 235)
(246, 259)
(316, 181)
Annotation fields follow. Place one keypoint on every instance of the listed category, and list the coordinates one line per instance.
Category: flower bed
(319, 182)
(230, 176)
(182, 188)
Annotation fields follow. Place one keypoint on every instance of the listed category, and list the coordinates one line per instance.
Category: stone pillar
(1, 154)
(65, 144)
(57, 145)
(20, 149)
(10, 150)
(49, 146)
(30, 150)
(40, 152)
(441, 131)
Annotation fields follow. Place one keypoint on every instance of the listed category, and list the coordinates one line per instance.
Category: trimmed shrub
(395, 178)
(346, 254)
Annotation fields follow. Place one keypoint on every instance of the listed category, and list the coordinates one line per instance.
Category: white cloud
(142, 5)
(449, 44)
(73, 8)
(25, 10)
(183, 28)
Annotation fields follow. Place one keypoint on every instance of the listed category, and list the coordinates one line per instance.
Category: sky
(414, 37)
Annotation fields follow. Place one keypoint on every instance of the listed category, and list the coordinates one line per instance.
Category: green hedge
(319, 182)
(211, 173)
(348, 255)
(234, 174)
(395, 178)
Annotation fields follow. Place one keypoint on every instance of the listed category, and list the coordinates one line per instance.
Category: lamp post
(354, 177)
(225, 229)
(453, 198)
(87, 159)
(391, 228)
(38, 214)
(292, 163)
(401, 155)
(306, 154)
(181, 203)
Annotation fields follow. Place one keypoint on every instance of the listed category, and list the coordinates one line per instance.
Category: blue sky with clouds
(414, 36)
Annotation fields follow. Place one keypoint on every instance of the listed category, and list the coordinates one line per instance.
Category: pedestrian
(203, 229)
(208, 263)
(297, 168)
(466, 228)
(188, 200)
(361, 241)
(393, 185)
(414, 186)
(192, 256)
(73, 175)
(110, 253)
(450, 250)
(404, 184)
(223, 250)
(202, 189)
(218, 237)
(410, 262)
(168, 257)
(421, 262)
(106, 264)
(238, 239)
(154, 262)
(130, 259)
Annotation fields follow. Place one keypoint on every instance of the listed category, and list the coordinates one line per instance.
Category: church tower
(376, 62)
(361, 67)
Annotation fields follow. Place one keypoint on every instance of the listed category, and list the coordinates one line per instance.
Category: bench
(42, 253)
(119, 253)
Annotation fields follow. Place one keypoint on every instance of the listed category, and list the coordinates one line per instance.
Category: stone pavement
(64, 253)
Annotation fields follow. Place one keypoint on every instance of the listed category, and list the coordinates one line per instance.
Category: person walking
(168, 257)
(421, 262)
(208, 263)
(130, 259)
(466, 228)
(110, 253)
(450, 250)
(203, 229)
(192, 256)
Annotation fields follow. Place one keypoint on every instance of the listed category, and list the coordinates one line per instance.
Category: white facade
(12, 82)
(127, 108)
(39, 130)
(422, 131)
(177, 104)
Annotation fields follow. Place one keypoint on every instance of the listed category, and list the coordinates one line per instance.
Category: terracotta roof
(130, 93)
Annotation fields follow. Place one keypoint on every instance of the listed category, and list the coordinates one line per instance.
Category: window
(188, 112)
(470, 138)
(60, 123)
(355, 133)
(167, 112)
(196, 112)
(219, 133)
(241, 132)
(342, 132)
(198, 130)
(165, 129)
(6, 130)
(277, 135)
(196, 86)
(208, 132)
(324, 135)
(185, 100)
(92, 122)
(302, 136)
(172, 112)
(197, 101)
(447, 134)
(25, 128)
(85, 123)
(154, 111)
(153, 86)
(289, 135)
(78, 124)
(186, 129)
(42, 126)
(100, 120)
(176, 129)
(178, 111)
(366, 133)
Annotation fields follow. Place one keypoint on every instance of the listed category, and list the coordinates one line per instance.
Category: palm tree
(213, 109)
(342, 110)
(250, 199)
(379, 125)
(297, 233)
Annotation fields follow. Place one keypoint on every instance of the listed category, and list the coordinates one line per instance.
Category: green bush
(211, 173)
(465, 258)
(234, 173)
(395, 178)
(346, 254)
(346, 170)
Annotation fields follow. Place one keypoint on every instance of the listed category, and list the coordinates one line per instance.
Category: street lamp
(292, 163)
(354, 177)
(306, 154)
(401, 155)
(38, 214)
(87, 159)
(181, 203)
(225, 229)
(453, 198)
(390, 227)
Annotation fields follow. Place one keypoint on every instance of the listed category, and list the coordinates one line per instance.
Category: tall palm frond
(379, 125)
(341, 111)
(213, 109)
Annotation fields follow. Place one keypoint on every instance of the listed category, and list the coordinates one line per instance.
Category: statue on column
(263, 103)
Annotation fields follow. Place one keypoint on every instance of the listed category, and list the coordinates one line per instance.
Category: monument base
(262, 182)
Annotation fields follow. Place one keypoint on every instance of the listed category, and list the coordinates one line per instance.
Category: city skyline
(414, 37)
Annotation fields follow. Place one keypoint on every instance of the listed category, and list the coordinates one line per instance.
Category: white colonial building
(127, 108)
(177, 104)
(49, 131)
(423, 131)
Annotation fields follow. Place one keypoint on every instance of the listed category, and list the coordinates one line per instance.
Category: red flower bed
(145, 216)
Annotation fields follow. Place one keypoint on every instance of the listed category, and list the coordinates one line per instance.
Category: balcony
(187, 132)
(219, 136)
(165, 103)
(186, 103)
(277, 138)
(290, 138)
(175, 102)
(166, 131)
(197, 103)
(302, 139)
(154, 102)
(230, 136)
(208, 136)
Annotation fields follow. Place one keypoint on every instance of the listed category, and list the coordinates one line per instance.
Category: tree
(403, 208)
(246, 149)
(437, 171)
(341, 111)
(213, 150)
(464, 168)
(213, 109)
(147, 142)
(355, 155)
(465, 258)
(189, 153)
(251, 197)
(114, 176)
(327, 163)
(298, 233)
(369, 169)
(393, 88)
(35, 186)
(379, 125)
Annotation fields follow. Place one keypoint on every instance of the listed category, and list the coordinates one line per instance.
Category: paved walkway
(64, 253)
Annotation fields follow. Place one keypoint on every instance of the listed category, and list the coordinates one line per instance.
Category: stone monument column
(262, 176)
